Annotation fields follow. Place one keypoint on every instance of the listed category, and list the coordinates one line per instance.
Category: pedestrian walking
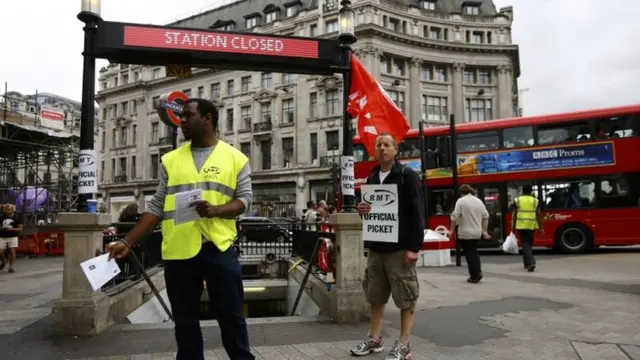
(201, 248)
(391, 267)
(526, 218)
(469, 222)
(9, 232)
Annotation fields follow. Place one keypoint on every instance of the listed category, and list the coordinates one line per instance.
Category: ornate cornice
(459, 67)
(264, 95)
(331, 82)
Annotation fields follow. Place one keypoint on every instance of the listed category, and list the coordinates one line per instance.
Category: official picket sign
(87, 172)
(347, 176)
(381, 224)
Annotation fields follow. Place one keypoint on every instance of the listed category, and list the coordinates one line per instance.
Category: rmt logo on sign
(379, 197)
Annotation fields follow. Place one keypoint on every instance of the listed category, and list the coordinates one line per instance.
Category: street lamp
(347, 20)
(87, 186)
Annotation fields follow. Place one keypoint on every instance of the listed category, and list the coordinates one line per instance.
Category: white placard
(88, 172)
(100, 270)
(347, 176)
(381, 224)
(185, 212)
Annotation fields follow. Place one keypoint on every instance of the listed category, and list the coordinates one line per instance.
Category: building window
(265, 112)
(313, 105)
(134, 136)
(287, 152)
(133, 167)
(155, 162)
(287, 111)
(227, 27)
(332, 26)
(201, 92)
(429, 5)
(434, 108)
(245, 148)
(265, 148)
(435, 33)
(229, 127)
(215, 90)
(134, 107)
(102, 171)
(154, 102)
(471, 10)
(124, 132)
(230, 87)
(155, 132)
(123, 168)
(156, 74)
(292, 10)
(333, 107)
(314, 147)
(479, 110)
(484, 76)
(398, 98)
(271, 17)
(469, 76)
(245, 113)
(288, 78)
(251, 22)
(394, 66)
(124, 108)
(245, 84)
(113, 138)
(313, 29)
(187, 92)
(103, 141)
(333, 140)
(266, 80)
(113, 170)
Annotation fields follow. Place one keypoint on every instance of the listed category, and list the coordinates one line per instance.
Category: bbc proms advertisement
(558, 157)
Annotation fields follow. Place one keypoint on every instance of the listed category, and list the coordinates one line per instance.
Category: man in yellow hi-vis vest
(526, 219)
(200, 248)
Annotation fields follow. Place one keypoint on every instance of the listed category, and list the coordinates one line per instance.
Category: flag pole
(424, 160)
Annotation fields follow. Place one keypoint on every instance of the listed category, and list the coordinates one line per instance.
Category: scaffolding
(38, 172)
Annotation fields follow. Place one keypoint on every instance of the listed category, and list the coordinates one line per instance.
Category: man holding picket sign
(392, 211)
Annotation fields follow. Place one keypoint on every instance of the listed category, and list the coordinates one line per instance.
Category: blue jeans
(223, 274)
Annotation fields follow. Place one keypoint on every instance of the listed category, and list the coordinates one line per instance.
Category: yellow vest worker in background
(200, 248)
(526, 219)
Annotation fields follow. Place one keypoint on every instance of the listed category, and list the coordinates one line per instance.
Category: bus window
(480, 141)
(409, 148)
(360, 153)
(514, 189)
(568, 194)
(518, 137)
(441, 201)
(563, 133)
(617, 127)
(616, 191)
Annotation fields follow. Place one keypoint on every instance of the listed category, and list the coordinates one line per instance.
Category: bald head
(386, 148)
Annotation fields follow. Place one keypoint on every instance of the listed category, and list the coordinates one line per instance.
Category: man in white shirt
(471, 218)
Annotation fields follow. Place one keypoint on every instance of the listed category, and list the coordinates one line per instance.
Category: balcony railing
(329, 160)
(120, 179)
(262, 127)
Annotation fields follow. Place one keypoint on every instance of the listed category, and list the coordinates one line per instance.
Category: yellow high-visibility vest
(217, 180)
(526, 215)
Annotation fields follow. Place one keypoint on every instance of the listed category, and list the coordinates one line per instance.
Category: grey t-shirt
(243, 193)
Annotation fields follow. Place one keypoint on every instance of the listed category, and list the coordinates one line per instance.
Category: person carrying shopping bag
(526, 218)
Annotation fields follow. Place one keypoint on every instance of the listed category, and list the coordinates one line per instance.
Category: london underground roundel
(169, 107)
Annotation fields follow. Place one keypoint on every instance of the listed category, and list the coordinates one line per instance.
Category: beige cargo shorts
(388, 275)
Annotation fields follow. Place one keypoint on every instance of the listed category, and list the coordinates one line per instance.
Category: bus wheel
(574, 238)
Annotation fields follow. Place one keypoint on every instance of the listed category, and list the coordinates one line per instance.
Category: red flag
(374, 110)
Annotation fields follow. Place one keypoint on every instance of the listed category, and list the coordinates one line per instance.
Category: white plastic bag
(510, 245)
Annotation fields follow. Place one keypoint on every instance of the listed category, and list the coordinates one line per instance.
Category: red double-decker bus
(584, 168)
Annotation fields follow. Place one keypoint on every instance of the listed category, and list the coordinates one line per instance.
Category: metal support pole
(424, 159)
(87, 111)
(174, 137)
(454, 177)
(348, 200)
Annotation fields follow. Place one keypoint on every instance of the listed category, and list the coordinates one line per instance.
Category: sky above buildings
(574, 54)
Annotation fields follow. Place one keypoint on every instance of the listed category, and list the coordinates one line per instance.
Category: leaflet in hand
(184, 212)
(100, 270)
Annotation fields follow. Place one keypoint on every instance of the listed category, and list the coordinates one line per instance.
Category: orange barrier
(38, 244)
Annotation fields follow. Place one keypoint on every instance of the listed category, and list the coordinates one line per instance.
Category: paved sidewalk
(555, 313)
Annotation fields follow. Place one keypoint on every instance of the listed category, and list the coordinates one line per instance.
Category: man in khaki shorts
(10, 228)
(391, 266)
